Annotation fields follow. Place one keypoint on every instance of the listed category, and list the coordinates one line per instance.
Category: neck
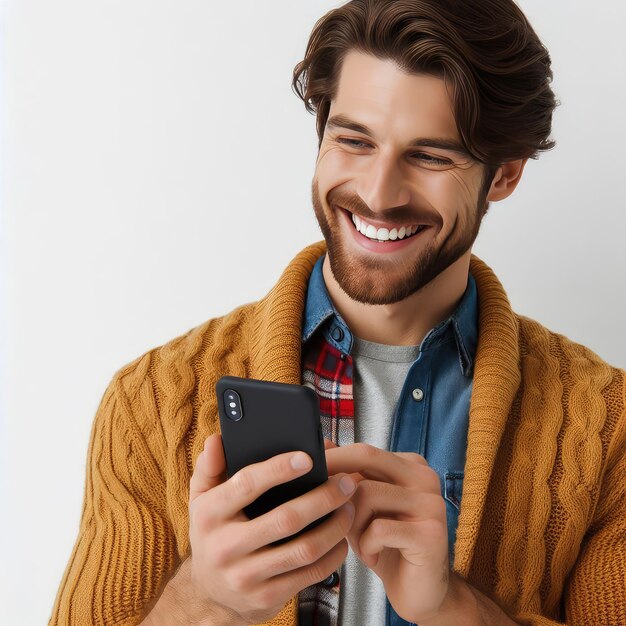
(407, 322)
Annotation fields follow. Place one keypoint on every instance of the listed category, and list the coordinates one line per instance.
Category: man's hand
(400, 529)
(232, 565)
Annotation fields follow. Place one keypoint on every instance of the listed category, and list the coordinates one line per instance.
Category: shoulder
(587, 384)
(537, 340)
(178, 362)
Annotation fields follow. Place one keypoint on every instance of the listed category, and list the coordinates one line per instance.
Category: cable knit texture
(542, 525)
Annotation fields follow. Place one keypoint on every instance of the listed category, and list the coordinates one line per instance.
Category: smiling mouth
(383, 234)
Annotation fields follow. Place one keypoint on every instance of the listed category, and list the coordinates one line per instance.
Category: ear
(505, 179)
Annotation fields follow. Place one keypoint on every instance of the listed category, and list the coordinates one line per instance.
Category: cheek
(454, 189)
(452, 193)
(440, 192)
(332, 169)
(336, 161)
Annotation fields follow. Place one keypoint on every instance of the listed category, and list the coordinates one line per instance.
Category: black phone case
(275, 418)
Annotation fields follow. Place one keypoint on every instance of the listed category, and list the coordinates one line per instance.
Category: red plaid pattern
(329, 373)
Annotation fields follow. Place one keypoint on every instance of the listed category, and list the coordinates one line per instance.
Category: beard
(373, 278)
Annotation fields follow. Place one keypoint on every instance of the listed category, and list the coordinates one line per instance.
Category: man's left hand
(399, 529)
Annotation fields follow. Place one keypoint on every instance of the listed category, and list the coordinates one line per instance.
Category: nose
(382, 184)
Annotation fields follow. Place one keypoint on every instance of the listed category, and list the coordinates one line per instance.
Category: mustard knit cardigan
(542, 524)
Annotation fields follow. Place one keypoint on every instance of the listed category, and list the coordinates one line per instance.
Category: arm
(595, 591)
(179, 605)
(466, 606)
(593, 594)
(121, 570)
(126, 546)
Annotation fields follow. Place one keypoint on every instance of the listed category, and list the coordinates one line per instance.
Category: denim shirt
(432, 414)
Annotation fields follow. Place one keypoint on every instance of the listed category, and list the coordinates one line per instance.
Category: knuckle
(222, 553)
(240, 579)
(279, 469)
(286, 520)
(266, 598)
(243, 481)
(320, 571)
(284, 561)
(367, 488)
(307, 551)
(434, 529)
(379, 529)
(415, 459)
(428, 477)
(367, 450)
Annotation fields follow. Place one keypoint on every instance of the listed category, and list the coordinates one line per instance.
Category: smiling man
(404, 200)
(475, 458)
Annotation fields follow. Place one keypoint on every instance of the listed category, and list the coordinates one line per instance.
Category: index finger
(252, 481)
(374, 463)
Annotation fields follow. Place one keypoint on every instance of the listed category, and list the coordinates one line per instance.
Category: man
(475, 458)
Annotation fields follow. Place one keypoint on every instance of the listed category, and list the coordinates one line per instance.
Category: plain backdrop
(156, 172)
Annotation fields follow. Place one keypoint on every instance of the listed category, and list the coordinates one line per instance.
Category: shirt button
(337, 333)
(331, 581)
(418, 394)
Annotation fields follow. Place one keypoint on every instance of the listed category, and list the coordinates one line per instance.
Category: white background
(156, 172)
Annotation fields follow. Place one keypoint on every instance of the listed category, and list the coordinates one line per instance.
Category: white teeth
(382, 234)
(371, 232)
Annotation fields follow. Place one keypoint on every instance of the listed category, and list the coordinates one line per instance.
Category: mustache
(397, 215)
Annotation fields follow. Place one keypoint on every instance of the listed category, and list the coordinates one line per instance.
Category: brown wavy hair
(490, 58)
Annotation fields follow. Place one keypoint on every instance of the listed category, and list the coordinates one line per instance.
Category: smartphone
(260, 419)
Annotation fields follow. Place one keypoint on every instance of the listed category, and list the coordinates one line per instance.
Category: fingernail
(347, 485)
(300, 461)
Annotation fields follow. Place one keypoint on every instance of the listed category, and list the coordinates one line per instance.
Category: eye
(352, 142)
(420, 156)
(430, 159)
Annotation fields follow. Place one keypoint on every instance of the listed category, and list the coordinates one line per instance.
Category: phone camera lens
(232, 404)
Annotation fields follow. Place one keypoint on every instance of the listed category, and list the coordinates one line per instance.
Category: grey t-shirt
(379, 374)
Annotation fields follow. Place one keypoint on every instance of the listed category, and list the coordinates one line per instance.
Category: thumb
(210, 469)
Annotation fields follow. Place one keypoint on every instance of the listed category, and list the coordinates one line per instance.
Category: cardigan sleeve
(125, 545)
(595, 590)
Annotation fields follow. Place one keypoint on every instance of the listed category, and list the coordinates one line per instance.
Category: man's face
(392, 184)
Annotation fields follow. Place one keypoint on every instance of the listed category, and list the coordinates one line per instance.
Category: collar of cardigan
(275, 343)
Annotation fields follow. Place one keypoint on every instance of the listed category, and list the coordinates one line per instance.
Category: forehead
(379, 94)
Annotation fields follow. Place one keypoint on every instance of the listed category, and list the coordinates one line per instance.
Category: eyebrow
(343, 121)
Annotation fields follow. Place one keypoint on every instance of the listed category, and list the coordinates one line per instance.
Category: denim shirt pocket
(452, 492)
(453, 488)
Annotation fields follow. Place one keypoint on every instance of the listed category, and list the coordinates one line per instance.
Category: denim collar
(461, 326)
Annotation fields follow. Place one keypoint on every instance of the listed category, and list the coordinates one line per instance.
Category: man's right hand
(232, 565)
